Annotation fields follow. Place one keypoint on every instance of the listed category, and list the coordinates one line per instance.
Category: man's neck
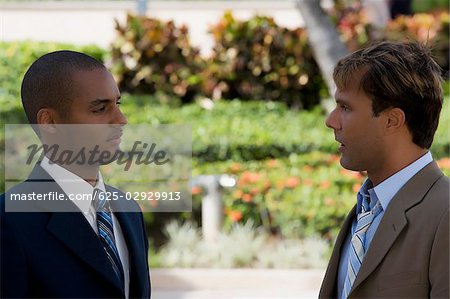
(89, 173)
(393, 165)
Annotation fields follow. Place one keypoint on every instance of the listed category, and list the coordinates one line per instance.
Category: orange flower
(247, 197)
(254, 191)
(325, 184)
(329, 201)
(196, 190)
(308, 182)
(444, 163)
(267, 185)
(356, 187)
(335, 158)
(249, 178)
(280, 185)
(235, 216)
(292, 182)
(235, 167)
(238, 194)
(308, 168)
(272, 163)
(153, 203)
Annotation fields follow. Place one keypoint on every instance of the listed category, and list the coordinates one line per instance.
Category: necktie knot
(365, 203)
(99, 200)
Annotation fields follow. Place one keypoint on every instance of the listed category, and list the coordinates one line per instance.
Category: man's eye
(344, 107)
(101, 109)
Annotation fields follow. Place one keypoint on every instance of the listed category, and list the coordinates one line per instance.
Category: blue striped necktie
(106, 232)
(358, 250)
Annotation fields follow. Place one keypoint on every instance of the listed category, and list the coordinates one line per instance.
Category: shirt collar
(72, 184)
(387, 189)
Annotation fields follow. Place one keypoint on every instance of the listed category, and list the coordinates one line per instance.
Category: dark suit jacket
(409, 254)
(57, 254)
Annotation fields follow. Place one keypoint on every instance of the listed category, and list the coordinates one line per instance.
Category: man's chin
(345, 163)
(104, 155)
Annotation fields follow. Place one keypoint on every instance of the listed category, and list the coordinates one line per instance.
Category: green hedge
(243, 131)
(240, 131)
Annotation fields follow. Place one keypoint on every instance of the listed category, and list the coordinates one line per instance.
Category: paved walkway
(235, 283)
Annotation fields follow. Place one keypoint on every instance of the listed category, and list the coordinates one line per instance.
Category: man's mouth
(116, 138)
(341, 145)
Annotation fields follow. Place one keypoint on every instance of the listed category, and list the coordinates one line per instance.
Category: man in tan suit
(395, 241)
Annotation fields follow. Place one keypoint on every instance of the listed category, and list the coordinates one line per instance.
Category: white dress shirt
(73, 185)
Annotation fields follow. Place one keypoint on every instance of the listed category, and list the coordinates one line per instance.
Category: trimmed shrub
(152, 56)
(257, 59)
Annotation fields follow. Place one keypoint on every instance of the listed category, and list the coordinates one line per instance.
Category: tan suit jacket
(409, 253)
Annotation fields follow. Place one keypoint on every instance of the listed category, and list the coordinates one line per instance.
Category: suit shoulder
(439, 195)
(441, 189)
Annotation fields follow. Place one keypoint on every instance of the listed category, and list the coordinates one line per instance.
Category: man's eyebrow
(341, 101)
(98, 102)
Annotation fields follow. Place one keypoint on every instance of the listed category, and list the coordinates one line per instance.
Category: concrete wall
(93, 22)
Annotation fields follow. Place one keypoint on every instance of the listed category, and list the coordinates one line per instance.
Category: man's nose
(331, 120)
(120, 118)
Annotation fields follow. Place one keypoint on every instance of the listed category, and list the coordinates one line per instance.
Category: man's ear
(395, 120)
(46, 119)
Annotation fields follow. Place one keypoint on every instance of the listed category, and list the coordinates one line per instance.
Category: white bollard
(212, 204)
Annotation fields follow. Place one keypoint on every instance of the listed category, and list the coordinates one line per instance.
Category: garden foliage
(251, 60)
(257, 59)
(150, 56)
(288, 176)
(431, 29)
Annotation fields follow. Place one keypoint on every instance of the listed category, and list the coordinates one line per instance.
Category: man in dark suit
(395, 241)
(94, 248)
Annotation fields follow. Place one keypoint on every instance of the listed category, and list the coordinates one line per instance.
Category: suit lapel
(71, 228)
(329, 284)
(77, 235)
(131, 229)
(394, 219)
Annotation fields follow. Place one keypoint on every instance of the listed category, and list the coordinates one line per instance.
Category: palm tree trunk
(323, 38)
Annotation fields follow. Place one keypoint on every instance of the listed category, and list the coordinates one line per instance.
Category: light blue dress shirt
(384, 192)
